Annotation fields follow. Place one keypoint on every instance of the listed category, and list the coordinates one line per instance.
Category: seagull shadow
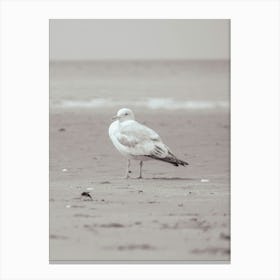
(171, 178)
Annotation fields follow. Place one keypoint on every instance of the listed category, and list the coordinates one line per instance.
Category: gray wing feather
(140, 139)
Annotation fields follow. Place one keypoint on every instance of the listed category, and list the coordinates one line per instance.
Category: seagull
(138, 142)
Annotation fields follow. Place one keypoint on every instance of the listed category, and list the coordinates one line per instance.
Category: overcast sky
(139, 39)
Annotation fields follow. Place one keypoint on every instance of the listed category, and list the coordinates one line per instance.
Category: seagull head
(124, 114)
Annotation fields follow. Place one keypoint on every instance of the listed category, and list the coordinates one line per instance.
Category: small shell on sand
(64, 170)
(89, 189)
(68, 206)
(204, 180)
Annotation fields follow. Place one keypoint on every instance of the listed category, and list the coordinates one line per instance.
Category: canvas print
(139, 141)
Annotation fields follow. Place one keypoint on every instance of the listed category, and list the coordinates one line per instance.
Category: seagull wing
(141, 140)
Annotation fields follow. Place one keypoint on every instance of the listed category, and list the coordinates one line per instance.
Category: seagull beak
(115, 118)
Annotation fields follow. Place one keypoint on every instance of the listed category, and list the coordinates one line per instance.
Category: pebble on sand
(64, 170)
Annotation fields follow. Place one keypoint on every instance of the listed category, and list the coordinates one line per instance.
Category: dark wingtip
(172, 160)
(183, 163)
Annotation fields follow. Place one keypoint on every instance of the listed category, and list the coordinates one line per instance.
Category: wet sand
(173, 214)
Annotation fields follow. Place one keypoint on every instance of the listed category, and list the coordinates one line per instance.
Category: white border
(255, 137)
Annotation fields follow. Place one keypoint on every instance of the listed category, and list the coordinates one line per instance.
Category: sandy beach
(173, 214)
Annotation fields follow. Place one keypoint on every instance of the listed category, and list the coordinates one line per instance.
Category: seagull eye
(126, 114)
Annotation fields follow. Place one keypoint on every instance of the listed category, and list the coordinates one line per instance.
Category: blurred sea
(186, 85)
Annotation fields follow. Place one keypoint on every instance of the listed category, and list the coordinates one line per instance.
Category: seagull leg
(128, 169)
(140, 174)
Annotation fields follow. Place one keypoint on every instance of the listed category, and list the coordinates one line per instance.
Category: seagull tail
(181, 162)
(171, 159)
(177, 161)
